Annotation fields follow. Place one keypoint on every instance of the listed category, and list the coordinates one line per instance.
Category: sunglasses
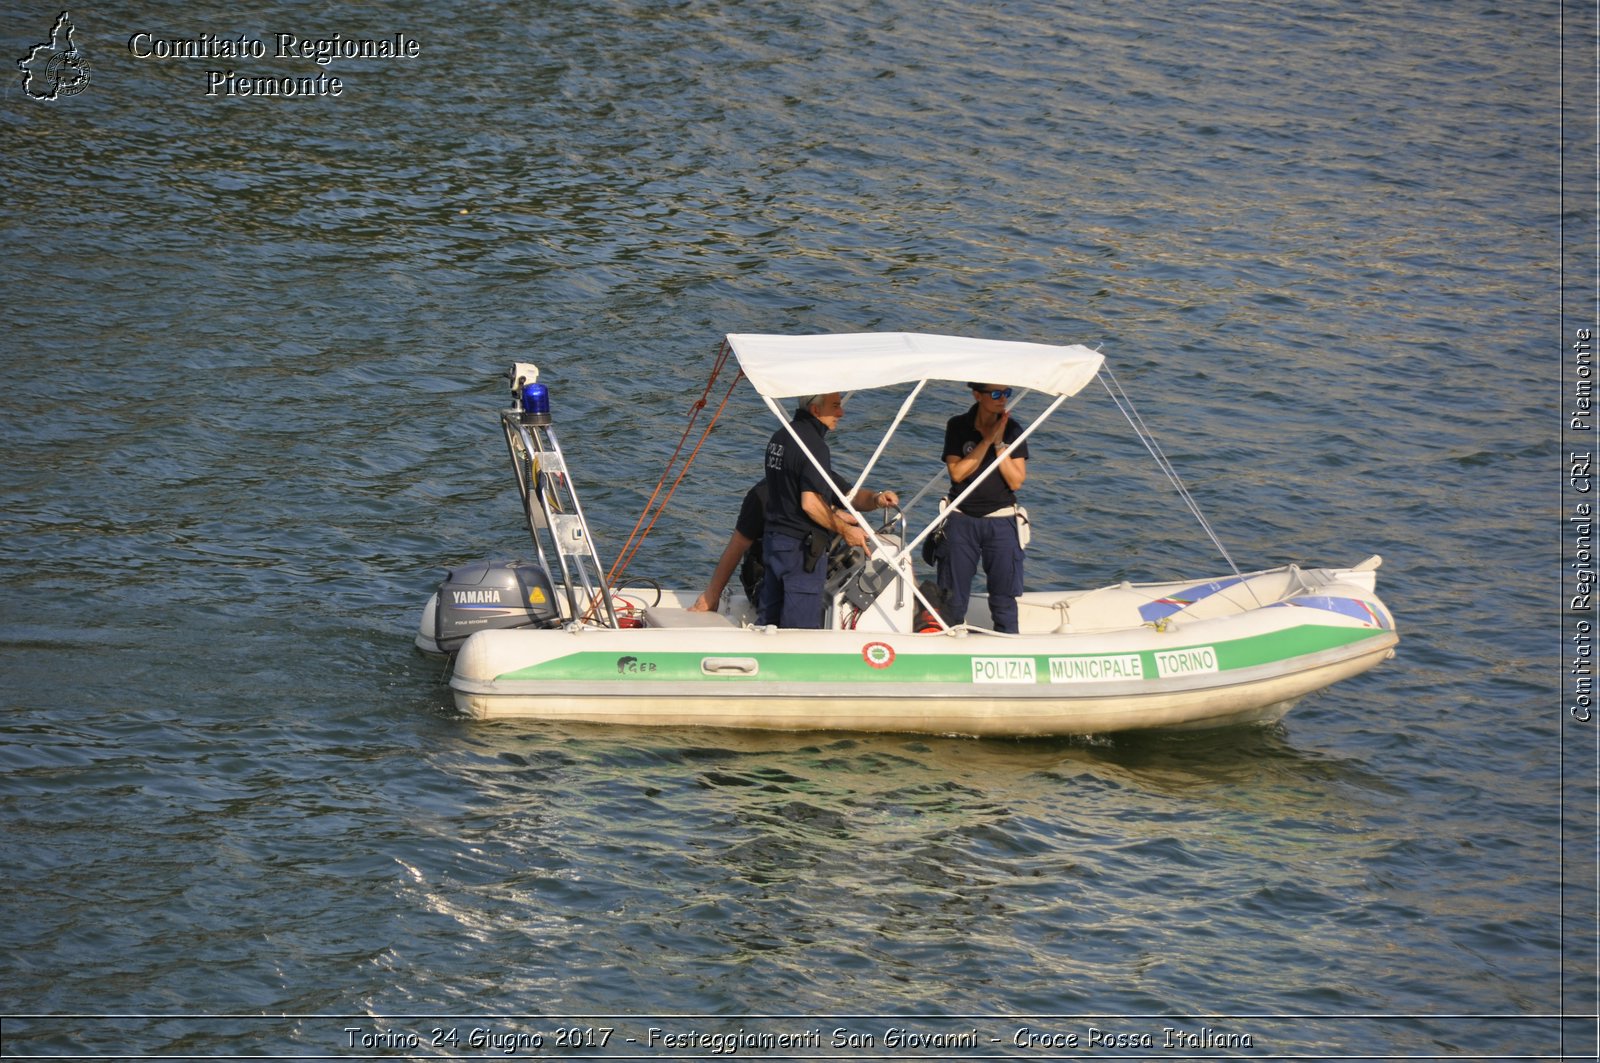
(997, 393)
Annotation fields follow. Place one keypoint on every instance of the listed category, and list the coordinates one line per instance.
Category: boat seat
(660, 616)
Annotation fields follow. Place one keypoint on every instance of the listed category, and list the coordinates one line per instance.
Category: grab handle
(729, 665)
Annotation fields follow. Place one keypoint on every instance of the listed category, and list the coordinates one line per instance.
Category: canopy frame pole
(879, 549)
(847, 500)
(984, 475)
(905, 410)
(943, 474)
(1124, 404)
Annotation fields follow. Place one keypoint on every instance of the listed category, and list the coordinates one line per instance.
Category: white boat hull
(1187, 671)
(1262, 701)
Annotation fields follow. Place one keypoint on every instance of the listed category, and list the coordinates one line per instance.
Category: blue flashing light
(535, 404)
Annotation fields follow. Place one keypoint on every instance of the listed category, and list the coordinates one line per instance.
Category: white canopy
(783, 367)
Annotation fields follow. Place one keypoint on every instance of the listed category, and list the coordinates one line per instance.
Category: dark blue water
(250, 367)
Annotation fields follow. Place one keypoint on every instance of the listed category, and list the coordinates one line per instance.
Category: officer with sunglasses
(984, 530)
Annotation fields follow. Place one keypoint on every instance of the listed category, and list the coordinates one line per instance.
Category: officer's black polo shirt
(789, 472)
(961, 435)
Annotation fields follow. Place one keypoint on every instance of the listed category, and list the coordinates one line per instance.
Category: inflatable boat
(557, 637)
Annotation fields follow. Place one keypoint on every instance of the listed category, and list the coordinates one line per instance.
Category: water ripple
(249, 407)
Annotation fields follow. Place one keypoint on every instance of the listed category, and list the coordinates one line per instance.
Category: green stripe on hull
(939, 667)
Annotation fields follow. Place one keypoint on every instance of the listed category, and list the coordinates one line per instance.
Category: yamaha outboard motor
(486, 595)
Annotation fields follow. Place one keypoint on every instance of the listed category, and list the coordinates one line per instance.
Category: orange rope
(637, 537)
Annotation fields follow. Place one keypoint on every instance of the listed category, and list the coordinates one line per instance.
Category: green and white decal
(882, 663)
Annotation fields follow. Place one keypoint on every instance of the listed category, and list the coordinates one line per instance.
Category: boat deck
(669, 617)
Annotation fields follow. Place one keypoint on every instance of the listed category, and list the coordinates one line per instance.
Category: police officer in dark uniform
(984, 529)
(803, 515)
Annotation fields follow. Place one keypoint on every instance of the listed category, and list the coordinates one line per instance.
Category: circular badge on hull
(878, 654)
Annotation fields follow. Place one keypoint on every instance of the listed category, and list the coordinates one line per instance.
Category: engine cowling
(488, 595)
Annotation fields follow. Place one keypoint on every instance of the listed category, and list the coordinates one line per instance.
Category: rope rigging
(657, 503)
(1113, 386)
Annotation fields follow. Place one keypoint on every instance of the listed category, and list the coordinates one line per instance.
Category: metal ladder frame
(550, 505)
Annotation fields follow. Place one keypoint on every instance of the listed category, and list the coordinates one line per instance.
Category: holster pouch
(815, 546)
(933, 545)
